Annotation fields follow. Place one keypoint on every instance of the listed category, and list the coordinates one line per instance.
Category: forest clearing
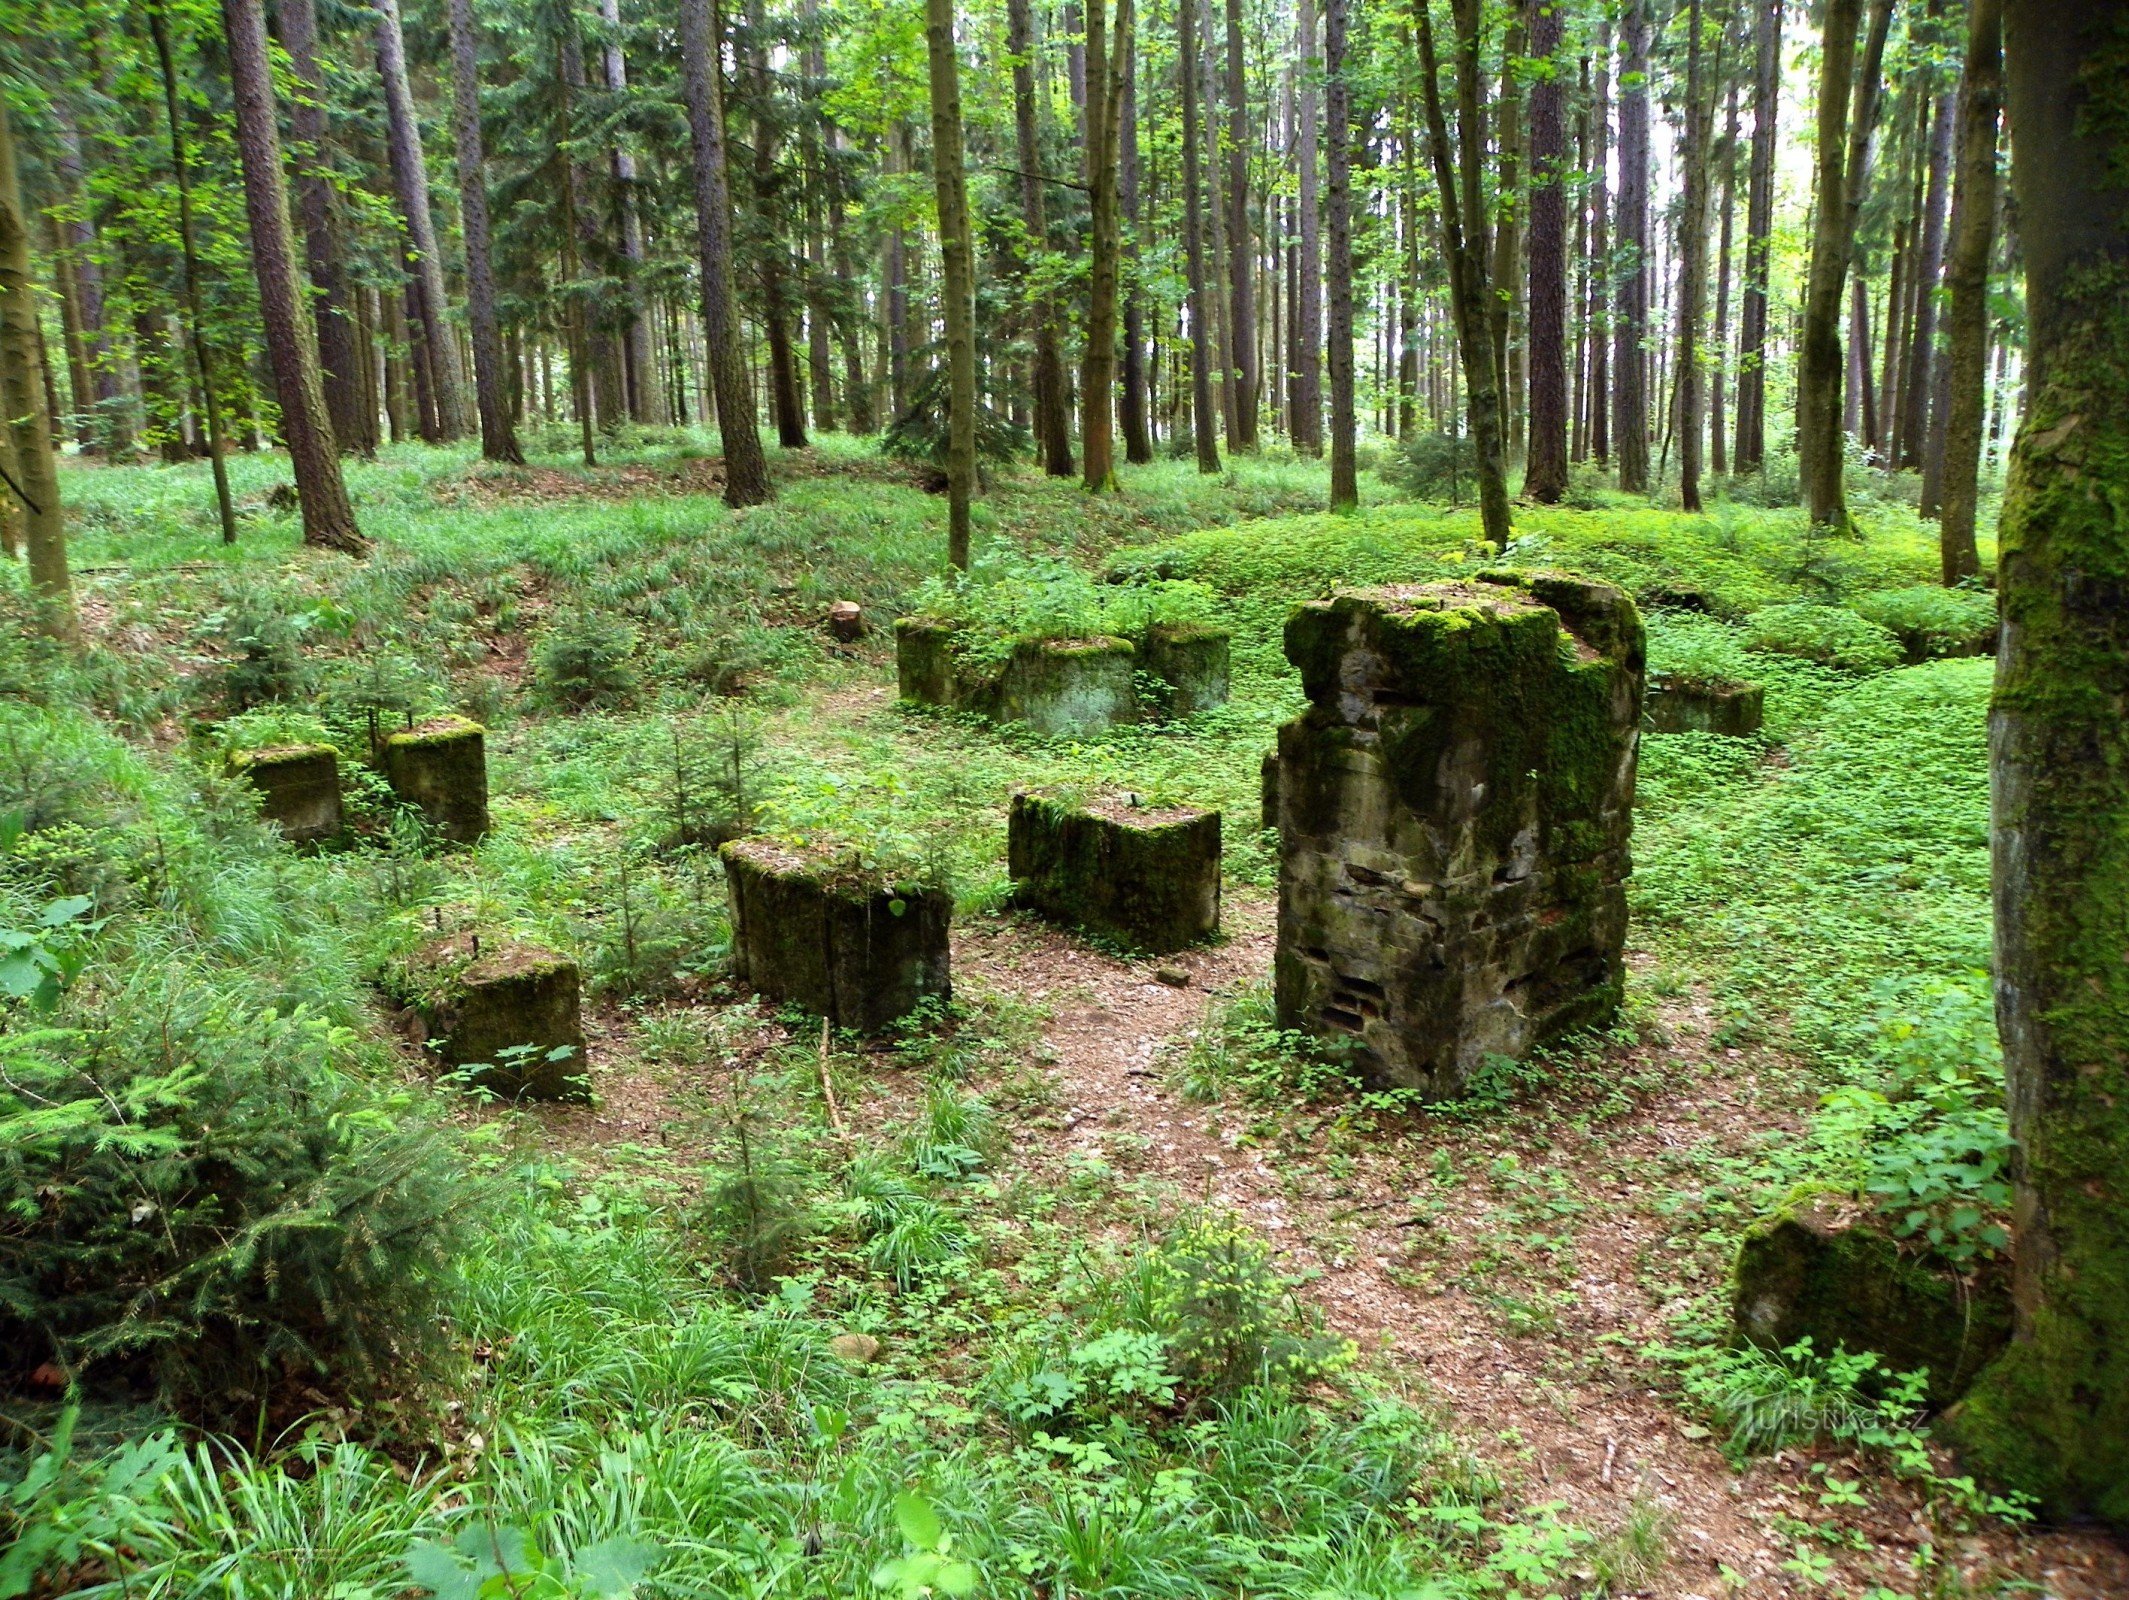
(1222, 797)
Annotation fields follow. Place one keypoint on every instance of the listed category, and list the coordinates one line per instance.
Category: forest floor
(1533, 1281)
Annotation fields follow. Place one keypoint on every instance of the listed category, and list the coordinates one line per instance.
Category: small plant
(1209, 1290)
(1434, 466)
(927, 1567)
(584, 661)
(758, 1214)
(1833, 636)
(1769, 1400)
(64, 1513)
(38, 962)
(487, 1562)
(1934, 621)
(920, 433)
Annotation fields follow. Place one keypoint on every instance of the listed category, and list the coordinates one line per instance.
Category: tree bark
(746, 466)
(957, 252)
(1053, 419)
(498, 439)
(1506, 274)
(1693, 261)
(1545, 463)
(1751, 452)
(36, 482)
(106, 424)
(2051, 1416)
(321, 494)
(1203, 424)
(1718, 431)
(776, 308)
(1138, 442)
(1305, 384)
(1922, 354)
(1097, 381)
(646, 388)
(1630, 325)
(1241, 247)
(1338, 128)
(1973, 238)
(1600, 371)
(411, 179)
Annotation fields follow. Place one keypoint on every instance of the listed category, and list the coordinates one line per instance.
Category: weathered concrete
(1677, 706)
(1191, 663)
(1454, 814)
(298, 787)
(837, 940)
(1145, 876)
(1824, 1266)
(504, 1013)
(440, 767)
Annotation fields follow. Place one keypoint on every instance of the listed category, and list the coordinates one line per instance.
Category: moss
(280, 755)
(437, 731)
(1145, 876)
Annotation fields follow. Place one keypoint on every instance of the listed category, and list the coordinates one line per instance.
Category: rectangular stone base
(837, 941)
(1734, 709)
(440, 767)
(1148, 877)
(508, 1010)
(299, 789)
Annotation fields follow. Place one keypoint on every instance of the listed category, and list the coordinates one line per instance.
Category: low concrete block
(1677, 706)
(505, 1012)
(1146, 876)
(440, 767)
(1191, 660)
(298, 787)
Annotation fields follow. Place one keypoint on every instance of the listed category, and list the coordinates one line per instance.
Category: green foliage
(1833, 636)
(583, 660)
(1226, 1317)
(486, 1562)
(1435, 466)
(1008, 595)
(1935, 621)
(757, 1214)
(1769, 1400)
(921, 434)
(62, 1513)
(927, 1567)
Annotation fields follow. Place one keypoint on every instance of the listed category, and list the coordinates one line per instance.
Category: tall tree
(1138, 441)
(1751, 451)
(1338, 128)
(1241, 248)
(1545, 462)
(1600, 312)
(1305, 380)
(498, 438)
(1693, 259)
(1203, 432)
(1053, 419)
(1973, 238)
(746, 465)
(957, 251)
(773, 255)
(107, 424)
(646, 391)
(2051, 1416)
(321, 494)
(425, 275)
(1097, 373)
(33, 482)
(1630, 323)
(1929, 265)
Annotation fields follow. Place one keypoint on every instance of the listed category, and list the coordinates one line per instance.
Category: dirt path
(1567, 1413)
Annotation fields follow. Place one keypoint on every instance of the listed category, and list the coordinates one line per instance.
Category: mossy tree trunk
(1973, 239)
(35, 484)
(957, 254)
(1201, 412)
(1630, 321)
(498, 438)
(2052, 1417)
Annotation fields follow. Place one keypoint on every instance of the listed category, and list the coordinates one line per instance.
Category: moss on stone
(505, 1012)
(1145, 876)
(298, 787)
(440, 767)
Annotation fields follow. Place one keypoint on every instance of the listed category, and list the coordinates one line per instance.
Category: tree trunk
(411, 179)
(1241, 248)
(1693, 261)
(582, 391)
(1631, 324)
(1305, 386)
(180, 168)
(776, 308)
(1220, 308)
(1545, 463)
(646, 388)
(498, 439)
(1506, 274)
(328, 519)
(1750, 454)
(36, 483)
(1338, 127)
(106, 423)
(1203, 419)
(1718, 432)
(1600, 371)
(957, 253)
(2051, 1417)
(1922, 354)
(746, 466)
(1053, 420)
(1138, 442)
(1104, 135)
(1973, 238)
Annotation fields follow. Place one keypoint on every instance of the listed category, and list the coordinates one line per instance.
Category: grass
(616, 1377)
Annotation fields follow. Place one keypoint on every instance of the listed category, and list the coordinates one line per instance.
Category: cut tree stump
(809, 928)
(1825, 1266)
(440, 767)
(1145, 876)
(298, 787)
(1674, 706)
(506, 1014)
(1454, 812)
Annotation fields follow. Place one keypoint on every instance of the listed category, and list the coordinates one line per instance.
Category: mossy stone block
(507, 1011)
(924, 665)
(298, 787)
(1825, 1266)
(1146, 876)
(1268, 790)
(1192, 660)
(1454, 811)
(841, 942)
(1063, 688)
(1678, 706)
(440, 767)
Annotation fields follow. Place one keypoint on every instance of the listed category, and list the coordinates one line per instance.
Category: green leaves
(38, 962)
(487, 1562)
(927, 1568)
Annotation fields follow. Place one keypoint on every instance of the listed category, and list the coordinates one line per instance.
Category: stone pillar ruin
(440, 767)
(507, 1015)
(1454, 810)
(298, 787)
(1146, 876)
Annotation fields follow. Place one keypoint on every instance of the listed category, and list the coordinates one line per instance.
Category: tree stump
(1825, 1267)
(1191, 661)
(506, 1014)
(440, 767)
(1677, 706)
(1146, 876)
(1454, 813)
(842, 942)
(298, 787)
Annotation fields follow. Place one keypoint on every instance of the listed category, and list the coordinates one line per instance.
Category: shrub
(1935, 621)
(1698, 652)
(260, 634)
(584, 660)
(757, 1214)
(920, 433)
(1434, 466)
(1008, 595)
(1229, 1321)
(1833, 636)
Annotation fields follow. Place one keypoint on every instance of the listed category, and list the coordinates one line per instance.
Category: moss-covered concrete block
(1190, 660)
(298, 787)
(1146, 876)
(811, 929)
(1824, 1266)
(1063, 688)
(440, 767)
(505, 1013)
(1454, 811)
(924, 664)
(1268, 790)
(1676, 705)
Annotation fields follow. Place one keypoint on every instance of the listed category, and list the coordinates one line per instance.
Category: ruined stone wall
(1454, 813)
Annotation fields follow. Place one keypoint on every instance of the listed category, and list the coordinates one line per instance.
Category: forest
(1090, 799)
